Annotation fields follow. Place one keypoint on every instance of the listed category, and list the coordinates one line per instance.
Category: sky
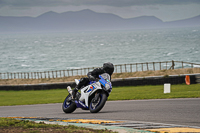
(166, 10)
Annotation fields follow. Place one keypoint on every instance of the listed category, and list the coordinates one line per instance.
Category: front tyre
(96, 105)
(68, 106)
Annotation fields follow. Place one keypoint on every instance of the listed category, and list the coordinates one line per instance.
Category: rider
(93, 75)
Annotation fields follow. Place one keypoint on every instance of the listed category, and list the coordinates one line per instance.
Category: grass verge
(118, 93)
(155, 92)
(18, 126)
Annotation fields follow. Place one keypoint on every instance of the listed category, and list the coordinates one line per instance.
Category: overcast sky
(166, 10)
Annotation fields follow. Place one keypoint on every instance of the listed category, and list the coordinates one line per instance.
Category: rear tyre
(96, 106)
(68, 106)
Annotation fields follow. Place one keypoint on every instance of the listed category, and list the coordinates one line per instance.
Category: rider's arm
(95, 73)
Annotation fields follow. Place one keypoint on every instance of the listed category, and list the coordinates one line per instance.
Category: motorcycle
(91, 97)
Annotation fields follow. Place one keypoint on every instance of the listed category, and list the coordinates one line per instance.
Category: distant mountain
(190, 22)
(86, 20)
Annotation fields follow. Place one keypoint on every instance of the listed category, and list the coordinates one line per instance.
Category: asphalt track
(181, 111)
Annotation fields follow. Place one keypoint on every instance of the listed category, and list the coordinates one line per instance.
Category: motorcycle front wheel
(68, 106)
(96, 105)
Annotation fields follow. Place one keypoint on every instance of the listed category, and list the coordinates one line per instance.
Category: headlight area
(107, 86)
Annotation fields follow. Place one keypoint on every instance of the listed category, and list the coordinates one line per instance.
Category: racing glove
(91, 78)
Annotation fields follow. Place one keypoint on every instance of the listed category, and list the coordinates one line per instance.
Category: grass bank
(8, 125)
(115, 75)
(155, 92)
(118, 93)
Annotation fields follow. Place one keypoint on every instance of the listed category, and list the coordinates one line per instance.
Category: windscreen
(106, 76)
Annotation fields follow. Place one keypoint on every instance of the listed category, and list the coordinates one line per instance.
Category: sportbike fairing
(105, 81)
(90, 89)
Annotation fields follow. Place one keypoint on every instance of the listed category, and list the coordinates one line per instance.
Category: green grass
(32, 97)
(18, 126)
(9, 122)
(155, 92)
(118, 93)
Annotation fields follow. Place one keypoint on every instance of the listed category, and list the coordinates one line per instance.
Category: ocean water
(38, 52)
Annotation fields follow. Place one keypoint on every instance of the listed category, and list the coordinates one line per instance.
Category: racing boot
(75, 90)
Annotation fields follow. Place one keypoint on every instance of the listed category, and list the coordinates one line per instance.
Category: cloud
(124, 3)
(31, 3)
(114, 3)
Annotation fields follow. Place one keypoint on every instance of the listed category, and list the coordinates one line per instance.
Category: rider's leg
(82, 82)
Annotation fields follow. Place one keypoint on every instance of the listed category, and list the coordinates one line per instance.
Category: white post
(167, 88)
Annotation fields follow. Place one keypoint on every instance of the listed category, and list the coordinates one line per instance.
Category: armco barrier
(37, 86)
(156, 80)
(135, 81)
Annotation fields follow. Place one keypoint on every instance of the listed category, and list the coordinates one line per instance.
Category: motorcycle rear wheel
(68, 106)
(96, 106)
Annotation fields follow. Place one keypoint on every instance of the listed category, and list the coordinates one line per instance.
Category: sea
(38, 52)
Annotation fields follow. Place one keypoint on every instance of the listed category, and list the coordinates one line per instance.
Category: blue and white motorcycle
(92, 97)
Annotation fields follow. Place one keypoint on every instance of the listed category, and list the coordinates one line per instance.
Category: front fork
(96, 97)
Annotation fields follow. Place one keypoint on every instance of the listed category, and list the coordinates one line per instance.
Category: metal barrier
(155, 80)
(121, 68)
